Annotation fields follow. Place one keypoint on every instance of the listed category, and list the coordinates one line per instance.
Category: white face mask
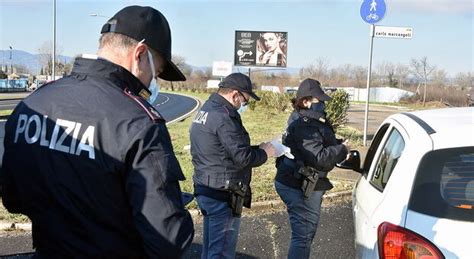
(243, 106)
(153, 87)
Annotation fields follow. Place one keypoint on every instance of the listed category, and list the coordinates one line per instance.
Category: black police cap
(138, 23)
(239, 82)
(311, 87)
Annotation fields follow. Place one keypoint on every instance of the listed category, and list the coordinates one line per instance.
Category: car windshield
(444, 185)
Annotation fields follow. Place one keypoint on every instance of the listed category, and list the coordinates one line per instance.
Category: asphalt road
(171, 107)
(262, 236)
(377, 115)
(8, 104)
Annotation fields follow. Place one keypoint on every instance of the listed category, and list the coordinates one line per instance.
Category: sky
(204, 31)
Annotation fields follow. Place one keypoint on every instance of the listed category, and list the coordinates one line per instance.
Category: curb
(13, 99)
(6, 226)
(274, 204)
(196, 214)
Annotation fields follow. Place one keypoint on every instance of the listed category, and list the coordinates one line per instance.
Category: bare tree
(45, 56)
(422, 70)
(386, 70)
(465, 80)
(439, 77)
(402, 71)
(359, 76)
(318, 70)
(180, 62)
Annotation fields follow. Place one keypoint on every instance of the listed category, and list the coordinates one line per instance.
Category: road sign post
(369, 72)
(371, 12)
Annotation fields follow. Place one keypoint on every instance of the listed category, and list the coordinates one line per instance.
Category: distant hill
(30, 61)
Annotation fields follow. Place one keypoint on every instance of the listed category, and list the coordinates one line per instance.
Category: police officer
(302, 181)
(223, 160)
(90, 161)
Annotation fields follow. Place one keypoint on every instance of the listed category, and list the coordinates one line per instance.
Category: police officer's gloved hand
(281, 149)
(268, 148)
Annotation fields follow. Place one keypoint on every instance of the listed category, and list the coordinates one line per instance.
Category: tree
(360, 76)
(180, 62)
(20, 69)
(45, 57)
(318, 70)
(465, 80)
(387, 70)
(3, 75)
(422, 70)
(402, 71)
(439, 77)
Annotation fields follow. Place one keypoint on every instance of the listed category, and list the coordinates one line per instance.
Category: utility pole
(53, 75)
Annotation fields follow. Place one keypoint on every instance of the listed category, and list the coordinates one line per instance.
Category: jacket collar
(231, 110)
(100, 67)
(319, 116)
(215, 97)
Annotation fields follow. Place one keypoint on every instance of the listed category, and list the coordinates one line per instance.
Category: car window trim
(429, 130)
(390, 131)
(365, 170)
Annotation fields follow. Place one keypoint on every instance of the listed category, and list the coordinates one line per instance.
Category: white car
(415, 198)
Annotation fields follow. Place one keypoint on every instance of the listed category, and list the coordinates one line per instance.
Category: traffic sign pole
(371, 12)
(369, 71)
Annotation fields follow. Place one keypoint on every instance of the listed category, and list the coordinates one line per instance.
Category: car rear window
(444, 184)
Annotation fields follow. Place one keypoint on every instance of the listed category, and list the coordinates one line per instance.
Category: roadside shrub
(275, 101)
(337, 108)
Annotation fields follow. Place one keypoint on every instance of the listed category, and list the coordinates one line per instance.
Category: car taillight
(398, 242)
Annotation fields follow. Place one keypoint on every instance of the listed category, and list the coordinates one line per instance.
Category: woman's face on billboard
(271, 41)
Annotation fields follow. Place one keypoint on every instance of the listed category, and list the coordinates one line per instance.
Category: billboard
(260, 48)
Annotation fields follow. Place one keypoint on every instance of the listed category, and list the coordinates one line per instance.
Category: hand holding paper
(281, 149)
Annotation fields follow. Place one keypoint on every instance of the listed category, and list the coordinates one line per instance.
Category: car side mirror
(352, 163)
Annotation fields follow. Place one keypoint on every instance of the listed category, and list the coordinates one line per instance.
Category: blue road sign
(372, 11)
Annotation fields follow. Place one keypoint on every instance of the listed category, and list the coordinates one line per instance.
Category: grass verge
(263, 125)
(5, 112)
(11, 217)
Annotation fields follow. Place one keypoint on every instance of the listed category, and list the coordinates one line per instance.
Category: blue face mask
(154, 87)
(318, 107)
(242, 108)
(155, 90)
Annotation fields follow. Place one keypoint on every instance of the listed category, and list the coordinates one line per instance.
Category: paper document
(281, 149)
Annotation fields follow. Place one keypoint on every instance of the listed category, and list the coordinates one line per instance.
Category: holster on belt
(309, 178)
(238, 195)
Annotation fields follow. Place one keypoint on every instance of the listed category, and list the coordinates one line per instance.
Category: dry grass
(262, 125)
(438, 96)
(10, 217)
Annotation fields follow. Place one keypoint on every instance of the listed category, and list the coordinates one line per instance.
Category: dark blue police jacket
(313, 143)
(220, 147)
(92, 165)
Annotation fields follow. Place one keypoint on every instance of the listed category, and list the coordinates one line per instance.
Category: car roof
(448, 127)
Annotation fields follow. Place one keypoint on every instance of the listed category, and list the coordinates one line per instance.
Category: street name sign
(393, 32)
